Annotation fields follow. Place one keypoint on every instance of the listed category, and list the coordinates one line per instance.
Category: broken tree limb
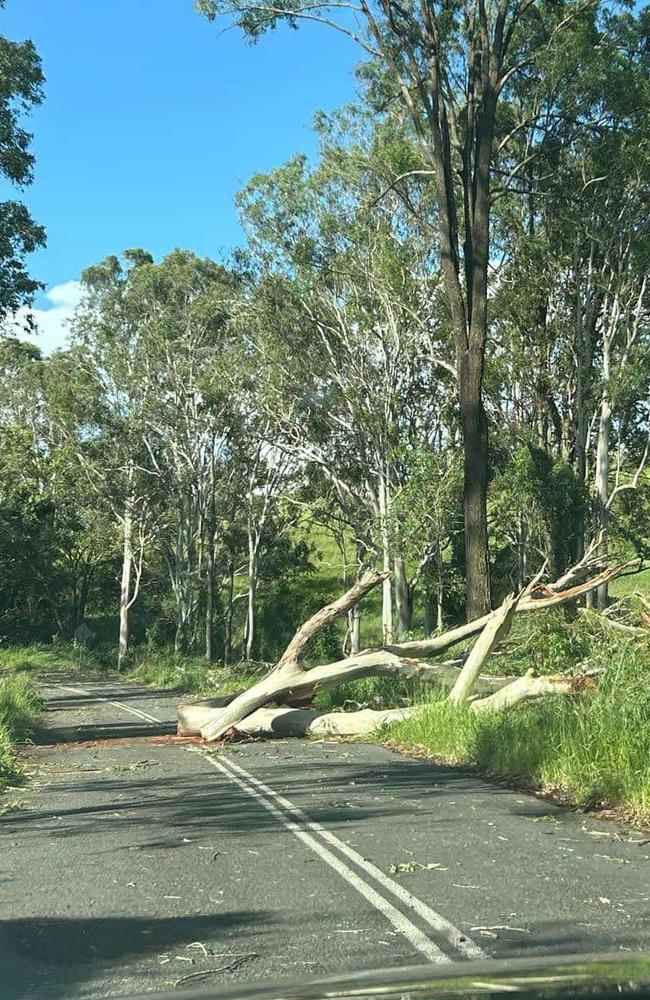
(328, 614)
(440, 643)
(293, 682)
(289, 680)
(194, 716)
(298, 721)
(529, 686)
(288, 677)
(496, 629)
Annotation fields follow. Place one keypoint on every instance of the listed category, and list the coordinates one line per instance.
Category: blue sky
(153, 120)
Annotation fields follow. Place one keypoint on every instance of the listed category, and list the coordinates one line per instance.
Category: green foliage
(373, 692)
(21, 87)
(19, 707)
(593, 750)
(552, 641)
(553, 502)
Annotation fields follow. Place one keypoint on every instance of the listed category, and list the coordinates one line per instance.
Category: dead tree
(290, 680)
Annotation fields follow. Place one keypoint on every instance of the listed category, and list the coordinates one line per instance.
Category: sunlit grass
(191, 674)
(41, 656)
(19, 708)
(594, 750)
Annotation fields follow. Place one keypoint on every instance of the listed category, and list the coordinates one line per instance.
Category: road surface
(137, 862)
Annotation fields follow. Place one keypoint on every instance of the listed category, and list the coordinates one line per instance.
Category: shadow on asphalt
(197, 802)
(65, 941)
(50, 735)
(54, 957)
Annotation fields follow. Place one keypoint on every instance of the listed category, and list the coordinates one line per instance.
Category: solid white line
(116, 704)
(399, 921)
(451, 933)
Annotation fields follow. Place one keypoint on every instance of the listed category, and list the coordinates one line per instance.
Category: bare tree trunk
(84, 590)
(179, 638)
(252, 593)
(602, 470)
(387, 590)
(496, 628)
(209, 600)
(227, 639)
(209, 589)
(125, 586)
(402, 599)
(427, 600)
(355, 632)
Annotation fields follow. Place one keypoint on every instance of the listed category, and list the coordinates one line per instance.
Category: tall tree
(21, 88)
(449, 67)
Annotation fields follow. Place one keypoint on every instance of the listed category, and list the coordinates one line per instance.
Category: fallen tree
(289, 681)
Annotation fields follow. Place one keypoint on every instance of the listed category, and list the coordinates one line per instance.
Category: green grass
(191, 674)
(622, 586)
(55, 656)
(594, 750)
(19, 708)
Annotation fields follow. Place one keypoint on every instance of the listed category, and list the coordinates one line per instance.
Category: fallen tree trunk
(195, 715)
(529, 686)
(297, 721)
(494, 632)
(290, 680)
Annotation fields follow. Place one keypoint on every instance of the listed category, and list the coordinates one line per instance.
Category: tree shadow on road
(50, 956)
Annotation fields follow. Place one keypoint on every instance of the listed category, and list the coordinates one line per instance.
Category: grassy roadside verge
(19, 708)
(191, 674)
(591, 751)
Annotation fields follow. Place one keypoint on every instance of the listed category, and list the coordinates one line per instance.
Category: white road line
(284, 809)
(399, 921)
(116, 704)
(459, 941)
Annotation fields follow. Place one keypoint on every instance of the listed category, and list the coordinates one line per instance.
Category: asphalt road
(136, 862)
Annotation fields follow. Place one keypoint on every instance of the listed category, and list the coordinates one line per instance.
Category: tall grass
(594, 750)
(55, 656)
(191, 674)
(19, 707)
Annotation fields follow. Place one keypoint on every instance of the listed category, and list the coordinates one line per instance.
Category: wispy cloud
(52, 320)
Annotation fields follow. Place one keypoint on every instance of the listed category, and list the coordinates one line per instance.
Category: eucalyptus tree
(449, 71)
(184, 303)
(571, 303)
(106, 426)
(41, 493)
(345, 335)
(21, 89)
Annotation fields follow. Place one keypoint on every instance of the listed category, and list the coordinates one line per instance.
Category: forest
(430, 359)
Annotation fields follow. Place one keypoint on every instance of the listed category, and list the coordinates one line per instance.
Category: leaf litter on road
(416, 866)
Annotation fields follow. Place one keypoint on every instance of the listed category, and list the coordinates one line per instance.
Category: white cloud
(51, 321)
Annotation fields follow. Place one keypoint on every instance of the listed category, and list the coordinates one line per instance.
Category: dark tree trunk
(477, 567)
